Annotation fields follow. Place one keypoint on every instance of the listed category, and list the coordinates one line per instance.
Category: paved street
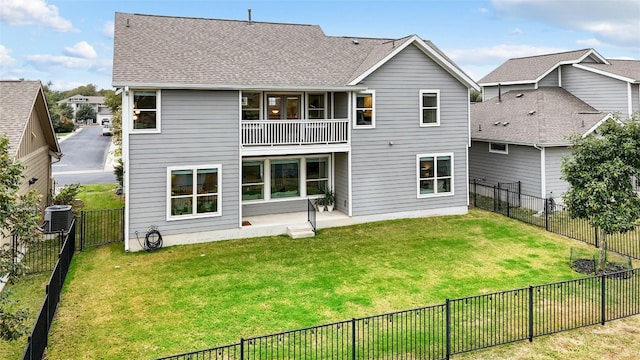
(85, 159)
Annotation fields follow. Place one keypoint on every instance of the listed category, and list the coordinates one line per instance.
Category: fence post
(508, 205)
(475, 193)
(495, 198)
(530, 313)
(353, 338)
(448, 328)
(603, 299)
(546, 214)
(81, 219)
(595, 229)
(241, 348)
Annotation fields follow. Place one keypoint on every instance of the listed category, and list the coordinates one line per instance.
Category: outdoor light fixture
(32, 181)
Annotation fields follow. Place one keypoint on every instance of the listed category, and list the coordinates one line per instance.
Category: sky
(70, 42)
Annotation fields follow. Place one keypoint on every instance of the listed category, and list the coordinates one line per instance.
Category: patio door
(284, 107)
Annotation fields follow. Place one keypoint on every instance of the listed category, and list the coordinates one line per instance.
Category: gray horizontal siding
(603, 93)
(490, 92)
(341, 184)
(556, 187)
(635, 97)
(274, 207)
(384, 175)
(551, 80)
(198, 128)
(522, 163)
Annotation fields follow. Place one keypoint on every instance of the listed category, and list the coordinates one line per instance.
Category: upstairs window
(499, 148)
(365, 110)
(316, 106)
(146, 113)
(250, 106)
(429, 107)
(435, 174)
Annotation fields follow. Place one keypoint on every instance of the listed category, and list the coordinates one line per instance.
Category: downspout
(629, 100)
(543, 172)
(125, 121)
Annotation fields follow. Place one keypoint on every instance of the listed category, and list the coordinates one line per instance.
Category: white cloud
(483, 10)
(516, 32)
(107, 29)
(82, 50)
(49, 62)
(496, 54)
(590, 42)
(611, 21)
(62, 85)
(33, 12)
(6, 61)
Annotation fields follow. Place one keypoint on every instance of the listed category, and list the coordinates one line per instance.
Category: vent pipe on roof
(499, 93)
(249, 11)
(127, 23)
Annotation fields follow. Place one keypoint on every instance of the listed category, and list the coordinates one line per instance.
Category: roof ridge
(550, 54)
(217, 19)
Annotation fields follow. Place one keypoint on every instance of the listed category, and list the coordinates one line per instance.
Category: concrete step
(301, 231)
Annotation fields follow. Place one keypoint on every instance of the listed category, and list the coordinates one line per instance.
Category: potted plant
(320, 204)
(329, 199)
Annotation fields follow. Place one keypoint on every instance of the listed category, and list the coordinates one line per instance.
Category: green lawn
(101, 196)
(119, 305)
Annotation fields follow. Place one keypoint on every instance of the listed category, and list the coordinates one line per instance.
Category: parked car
(106, 130)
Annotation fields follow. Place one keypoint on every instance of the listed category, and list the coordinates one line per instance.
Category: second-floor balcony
(260, 133)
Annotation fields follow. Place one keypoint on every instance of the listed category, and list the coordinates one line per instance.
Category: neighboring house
(103, 113)
(24, 118)
(533, 105)
(225, 122)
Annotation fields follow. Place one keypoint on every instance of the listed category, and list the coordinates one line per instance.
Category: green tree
(475, 96)
(113, 101)
(84, 90)
(84, 112)
(600, 173)
(18, 217)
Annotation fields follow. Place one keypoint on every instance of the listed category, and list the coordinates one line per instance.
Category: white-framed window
(253, 180)
(251, 105)
(194, 191)
(317, 178)
(429, 107)
(498, 148)
(145, 111)
(316, 106)
(285, 178)
(364, 110)
(435, 174)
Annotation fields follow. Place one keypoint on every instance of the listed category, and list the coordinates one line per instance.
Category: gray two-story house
(531, 108)
(231, 127)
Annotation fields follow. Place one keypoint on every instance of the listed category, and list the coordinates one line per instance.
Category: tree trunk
(602, 251)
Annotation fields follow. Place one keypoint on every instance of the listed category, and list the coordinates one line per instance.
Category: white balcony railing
(294, 132)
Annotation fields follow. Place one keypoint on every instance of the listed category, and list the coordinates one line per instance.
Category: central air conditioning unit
(57, 218)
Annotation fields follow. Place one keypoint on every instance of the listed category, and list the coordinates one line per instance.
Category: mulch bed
(588, 266)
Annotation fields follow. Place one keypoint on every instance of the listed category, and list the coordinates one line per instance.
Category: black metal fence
(457, 326)
(98, 227)
(94, 227)
(311, 214)
(546, 213)
(37, 341)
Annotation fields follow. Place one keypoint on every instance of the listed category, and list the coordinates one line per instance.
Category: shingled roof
(547, 116)
(18, 99)
(627, 70)
(168, 51)
(532, 68)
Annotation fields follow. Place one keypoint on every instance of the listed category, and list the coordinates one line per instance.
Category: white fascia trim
(514, 82)
(603, 73)
(240, 160)
(469, 118)
(187, 86)
(595, 53)
(444, 63)
(597, 125)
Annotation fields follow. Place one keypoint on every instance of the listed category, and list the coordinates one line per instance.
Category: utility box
(57, 218)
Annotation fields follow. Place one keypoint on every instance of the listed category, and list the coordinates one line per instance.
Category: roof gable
(241, 54)
(18, 100)
(533, 68)
(625, 70)
(546, 116)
